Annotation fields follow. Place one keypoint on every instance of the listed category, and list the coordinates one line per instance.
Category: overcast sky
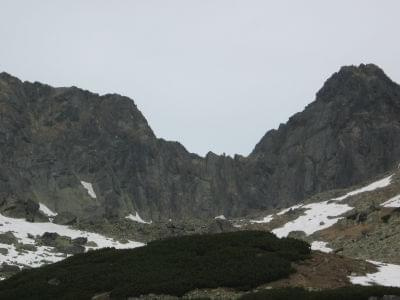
(213, 75)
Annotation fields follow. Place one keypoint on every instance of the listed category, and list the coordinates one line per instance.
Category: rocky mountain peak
(349, 131)
(53, 139)
(352, 83)
(5, 76)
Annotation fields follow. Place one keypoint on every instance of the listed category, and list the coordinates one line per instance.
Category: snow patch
(387, 275)
(265, 220)
(324, 214)
(392, 202)
(43, 254)
(47, 211)
(137, 218)
(320, 246)
(221, 217)
(317, 216)
(282, 212)
(368, 188)
(88, 186)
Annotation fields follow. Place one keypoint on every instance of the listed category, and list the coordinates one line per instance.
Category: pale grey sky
(211, 74)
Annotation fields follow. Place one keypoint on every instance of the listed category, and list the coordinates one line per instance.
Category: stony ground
(367, 231)
(321, 271)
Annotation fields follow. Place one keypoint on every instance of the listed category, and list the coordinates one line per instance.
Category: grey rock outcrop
(349, 134)
(51, 139)
(65, 218)
(63, 244)
(219, 225)
(8, 238)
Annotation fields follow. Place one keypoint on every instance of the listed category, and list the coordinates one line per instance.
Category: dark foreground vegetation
(347, 293)
(240, 260)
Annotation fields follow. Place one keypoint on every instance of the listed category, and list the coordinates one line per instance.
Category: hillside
(88, 157)
(240, 265)
(362, 222)
(240, 260)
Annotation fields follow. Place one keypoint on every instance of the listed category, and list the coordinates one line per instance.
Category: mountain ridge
(59, 137)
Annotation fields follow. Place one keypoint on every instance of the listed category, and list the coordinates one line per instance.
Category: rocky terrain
(87, 156)
(80, 171)
(215, 266)
(362, 222)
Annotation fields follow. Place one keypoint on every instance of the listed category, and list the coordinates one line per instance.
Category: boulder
(80, 241)
(65, 218)
(91, 244)
(8, 238)
(49, 238)
(63, 244)
(70, 249)
(26, 247)
(297, 234)
(220, 225)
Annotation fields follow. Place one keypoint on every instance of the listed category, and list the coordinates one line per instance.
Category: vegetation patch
(345, 293)
(240, 260)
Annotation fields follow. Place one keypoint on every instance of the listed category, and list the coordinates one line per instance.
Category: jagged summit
(53, 139)
(4, 75)
(8, 78)
(354, 81)
(363, 70)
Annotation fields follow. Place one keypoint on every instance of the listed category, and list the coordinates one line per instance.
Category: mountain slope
(219, 266)
(349, 134)
(57, 142)
(360, 222)
(53, 139)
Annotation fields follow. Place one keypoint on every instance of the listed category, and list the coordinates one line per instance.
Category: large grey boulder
(219, 226)
(63, 244)
(65, 218)
(8, 238)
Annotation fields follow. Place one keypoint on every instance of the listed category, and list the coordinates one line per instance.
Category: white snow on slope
(88, 186)
(387, 275)
(47, 211)
(220, 217)
(368, 188)
(324, 214)
(137, 218)
(21, 228)
(317, 216)
(282, 212)
(392, 202)
(265, 220)
(320, 246)
(31, 259)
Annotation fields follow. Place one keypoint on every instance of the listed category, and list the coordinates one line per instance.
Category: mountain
(349, 134)
(88, 157)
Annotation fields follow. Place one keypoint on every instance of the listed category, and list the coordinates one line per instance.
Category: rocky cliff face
(350, 133)
(52, 139)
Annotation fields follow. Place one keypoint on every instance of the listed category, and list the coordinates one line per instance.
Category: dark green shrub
(346, 293)
(240, 260)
